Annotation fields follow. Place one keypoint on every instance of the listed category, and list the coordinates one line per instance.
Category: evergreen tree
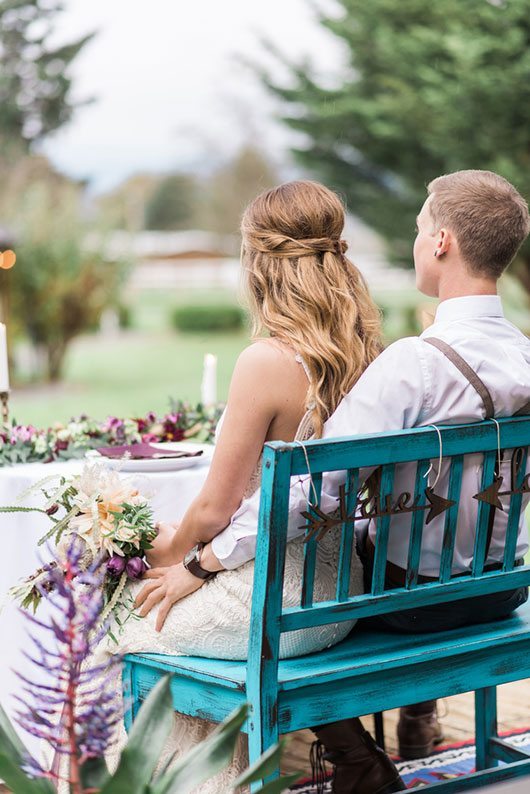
(34, 84)
(172, 204)
(427, 88)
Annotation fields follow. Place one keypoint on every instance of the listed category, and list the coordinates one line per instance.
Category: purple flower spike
(74, 711)
(136, 568)
(116, 565)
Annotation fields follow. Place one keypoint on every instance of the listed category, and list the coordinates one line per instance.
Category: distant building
(200, 259)
(184, 259)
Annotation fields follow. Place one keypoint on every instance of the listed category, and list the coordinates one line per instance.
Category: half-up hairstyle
(304, 291)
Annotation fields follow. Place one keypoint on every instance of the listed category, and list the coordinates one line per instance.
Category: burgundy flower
(59, 445)
(53, 509)
(116, 565)
(135, 568)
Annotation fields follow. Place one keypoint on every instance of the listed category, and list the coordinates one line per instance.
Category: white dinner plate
(160, 464)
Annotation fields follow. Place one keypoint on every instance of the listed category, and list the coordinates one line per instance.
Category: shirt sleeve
(390, 395)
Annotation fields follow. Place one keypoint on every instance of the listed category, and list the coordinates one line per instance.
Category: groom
(468, 231)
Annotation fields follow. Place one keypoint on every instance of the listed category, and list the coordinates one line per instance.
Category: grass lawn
(128, 374)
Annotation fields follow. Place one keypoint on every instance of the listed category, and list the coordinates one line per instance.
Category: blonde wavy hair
(303, 290)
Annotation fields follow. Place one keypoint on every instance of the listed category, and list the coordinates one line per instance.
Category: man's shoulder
(403, 359)
(404, 348)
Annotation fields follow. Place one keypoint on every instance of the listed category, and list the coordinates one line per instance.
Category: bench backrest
(281, 461)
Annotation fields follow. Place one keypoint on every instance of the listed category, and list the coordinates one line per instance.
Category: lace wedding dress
(214, 622)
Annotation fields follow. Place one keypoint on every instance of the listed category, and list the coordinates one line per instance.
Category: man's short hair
(487, 215)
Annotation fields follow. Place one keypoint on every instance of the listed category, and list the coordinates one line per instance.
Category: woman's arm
(256, 393)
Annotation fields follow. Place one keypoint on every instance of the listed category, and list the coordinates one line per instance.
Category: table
(170, 494)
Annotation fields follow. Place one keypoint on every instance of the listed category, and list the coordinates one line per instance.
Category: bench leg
(261, 735)
(379, 729)
(485, 726)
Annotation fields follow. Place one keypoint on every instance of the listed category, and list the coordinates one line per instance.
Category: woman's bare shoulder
(267, 353)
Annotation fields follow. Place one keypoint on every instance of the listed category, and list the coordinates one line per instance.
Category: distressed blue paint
(451, 516)
(484, 510)
(485, 726)
(382, 530)
(398, 599)
(310, 548)
(347, 537)
(416, 529)
(264, 641)
(513, 516)
(370, 670)
(505, 752)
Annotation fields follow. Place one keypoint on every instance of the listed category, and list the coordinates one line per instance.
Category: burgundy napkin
(144, 452)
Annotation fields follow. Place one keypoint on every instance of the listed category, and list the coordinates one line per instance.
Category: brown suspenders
(483, 392)
(468, 373)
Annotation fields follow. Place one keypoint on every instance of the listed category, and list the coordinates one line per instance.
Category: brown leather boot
(361, 767)
(418, 730)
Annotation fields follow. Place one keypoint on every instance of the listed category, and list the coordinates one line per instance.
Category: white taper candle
(4, 368)
(209, 380)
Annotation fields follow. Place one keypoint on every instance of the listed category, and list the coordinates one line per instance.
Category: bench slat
(416, 529)
(310, 548)
(382, 530)
(396, 600)
(514, 515)
(451, 517)
(263, 645)
(347, 537)
(484, 509)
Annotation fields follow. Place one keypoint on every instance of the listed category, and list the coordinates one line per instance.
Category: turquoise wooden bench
(371, 670)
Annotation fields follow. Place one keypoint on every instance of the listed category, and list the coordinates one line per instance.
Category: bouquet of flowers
(112, 522)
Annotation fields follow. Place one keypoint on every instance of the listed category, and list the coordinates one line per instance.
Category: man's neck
(462, 285)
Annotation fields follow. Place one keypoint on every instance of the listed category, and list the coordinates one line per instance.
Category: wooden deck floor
(456, 716)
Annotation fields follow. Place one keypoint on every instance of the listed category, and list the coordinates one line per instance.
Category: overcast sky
(169, 90)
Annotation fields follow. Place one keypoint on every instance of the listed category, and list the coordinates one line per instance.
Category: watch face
(191, 555)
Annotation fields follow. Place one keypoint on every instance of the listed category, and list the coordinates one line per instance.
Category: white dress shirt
(413, 384)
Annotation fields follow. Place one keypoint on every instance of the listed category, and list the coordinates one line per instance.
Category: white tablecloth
(171, 493)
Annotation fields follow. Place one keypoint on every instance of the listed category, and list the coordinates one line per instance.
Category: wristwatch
(192, 563)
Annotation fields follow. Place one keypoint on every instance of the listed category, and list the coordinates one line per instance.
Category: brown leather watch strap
(192, 563)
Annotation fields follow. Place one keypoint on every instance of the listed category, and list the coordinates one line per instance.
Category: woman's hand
(166, 587)
(164, 551)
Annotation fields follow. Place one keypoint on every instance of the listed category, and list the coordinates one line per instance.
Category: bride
(316, 329)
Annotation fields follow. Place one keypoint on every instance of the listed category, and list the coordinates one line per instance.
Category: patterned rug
(446, 763)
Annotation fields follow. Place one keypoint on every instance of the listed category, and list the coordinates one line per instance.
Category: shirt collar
(469, 307)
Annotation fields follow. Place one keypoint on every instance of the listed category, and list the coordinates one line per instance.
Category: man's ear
(443, 242)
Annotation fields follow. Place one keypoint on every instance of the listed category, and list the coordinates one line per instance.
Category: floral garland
(28, 444)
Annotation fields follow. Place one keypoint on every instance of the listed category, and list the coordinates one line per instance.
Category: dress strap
(298, 357)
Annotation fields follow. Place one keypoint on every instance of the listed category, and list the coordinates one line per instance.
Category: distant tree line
(184, 201)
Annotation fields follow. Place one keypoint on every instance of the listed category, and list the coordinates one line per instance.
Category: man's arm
(390, 395)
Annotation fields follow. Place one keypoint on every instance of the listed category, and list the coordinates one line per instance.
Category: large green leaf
(204, 761)
(18, 782)
(13, 755)
(265, 764)
(280, 784)
(94, 773)
(146, 741)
